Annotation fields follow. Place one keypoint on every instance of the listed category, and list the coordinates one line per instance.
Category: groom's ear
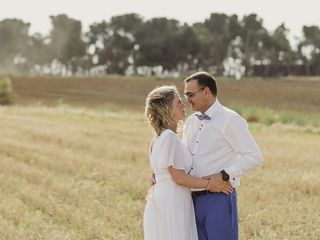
(207, 91)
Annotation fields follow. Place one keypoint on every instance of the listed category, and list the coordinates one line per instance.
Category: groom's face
(196, 97)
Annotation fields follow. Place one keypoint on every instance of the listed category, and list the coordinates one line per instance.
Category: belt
(200, 193)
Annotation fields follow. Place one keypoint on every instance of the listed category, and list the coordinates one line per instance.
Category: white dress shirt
(221, 143)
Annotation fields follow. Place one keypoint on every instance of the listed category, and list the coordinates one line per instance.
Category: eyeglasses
(191, 94)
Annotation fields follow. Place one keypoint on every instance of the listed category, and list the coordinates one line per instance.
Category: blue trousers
(216, 216)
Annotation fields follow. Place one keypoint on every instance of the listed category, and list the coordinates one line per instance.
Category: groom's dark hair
(204, 80)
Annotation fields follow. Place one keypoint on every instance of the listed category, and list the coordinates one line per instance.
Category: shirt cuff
(233, 171)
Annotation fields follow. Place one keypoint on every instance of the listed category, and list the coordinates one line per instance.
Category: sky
(294, 13)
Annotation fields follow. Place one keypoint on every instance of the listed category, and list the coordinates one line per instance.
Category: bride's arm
(180, 177)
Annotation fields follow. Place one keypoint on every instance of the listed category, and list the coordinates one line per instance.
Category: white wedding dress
(169, 213)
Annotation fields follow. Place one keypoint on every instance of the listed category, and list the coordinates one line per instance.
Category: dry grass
(74, 173)
(280, 200)
(71, 174)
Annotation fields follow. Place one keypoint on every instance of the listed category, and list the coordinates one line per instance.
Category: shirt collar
(210, 111)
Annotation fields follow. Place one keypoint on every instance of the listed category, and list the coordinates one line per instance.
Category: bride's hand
(217, 184)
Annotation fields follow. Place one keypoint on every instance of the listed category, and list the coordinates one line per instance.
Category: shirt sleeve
(249, 155)
(172, 154)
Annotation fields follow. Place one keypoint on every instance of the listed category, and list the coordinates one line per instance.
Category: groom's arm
(242, 142)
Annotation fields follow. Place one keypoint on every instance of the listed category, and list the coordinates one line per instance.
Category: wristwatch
(225, 176)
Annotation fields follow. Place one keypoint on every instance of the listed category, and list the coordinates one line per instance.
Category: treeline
(128, 44)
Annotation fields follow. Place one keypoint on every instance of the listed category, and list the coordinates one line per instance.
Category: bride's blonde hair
(158, 109)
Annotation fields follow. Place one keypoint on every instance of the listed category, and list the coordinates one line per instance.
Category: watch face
(225, 176)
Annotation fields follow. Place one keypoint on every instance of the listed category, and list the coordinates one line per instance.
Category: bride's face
(178, 108)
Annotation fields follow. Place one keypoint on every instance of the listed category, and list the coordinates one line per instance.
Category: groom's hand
(152, 180)
(217, 184)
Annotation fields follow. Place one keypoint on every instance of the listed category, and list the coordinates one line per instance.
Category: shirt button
(197, 141)
(199, 128)
(192, 154)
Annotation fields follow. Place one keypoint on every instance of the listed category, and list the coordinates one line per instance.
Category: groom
(219, 142)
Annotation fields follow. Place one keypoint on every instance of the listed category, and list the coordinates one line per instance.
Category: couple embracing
(194, 195)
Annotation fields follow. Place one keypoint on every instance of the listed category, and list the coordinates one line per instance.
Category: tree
(309, 49)
(14, 43)
(38, 54)
(220, 38)
(157, 43)
(114, 42)
(278, 52)
(216, 35)
(66, 43)
(188, 46)
(253, 36)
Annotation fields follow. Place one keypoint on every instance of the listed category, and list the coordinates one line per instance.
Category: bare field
(296, 94)
(82, 174)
